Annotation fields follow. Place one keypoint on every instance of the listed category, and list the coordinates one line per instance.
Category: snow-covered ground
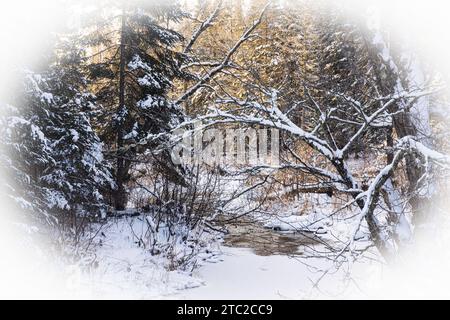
(121, 266)
(245, 275)
(122, 269)
(120, 263)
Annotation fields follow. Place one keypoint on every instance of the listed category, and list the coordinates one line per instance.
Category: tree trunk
(414, 171)
(390, 145)
(404, 124)
(120, 194)
(376, 233)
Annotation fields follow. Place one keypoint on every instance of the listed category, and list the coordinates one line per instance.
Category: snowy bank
(124, 262)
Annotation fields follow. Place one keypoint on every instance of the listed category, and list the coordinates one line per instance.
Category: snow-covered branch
(203, 26)
(247, 35)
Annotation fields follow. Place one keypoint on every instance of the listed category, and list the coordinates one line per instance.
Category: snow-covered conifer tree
(52, 153)
(134, 65)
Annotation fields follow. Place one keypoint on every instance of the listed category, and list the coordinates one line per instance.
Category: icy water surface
(266, 242)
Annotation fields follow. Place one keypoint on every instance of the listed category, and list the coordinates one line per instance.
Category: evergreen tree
(133, 67)
(53, 155)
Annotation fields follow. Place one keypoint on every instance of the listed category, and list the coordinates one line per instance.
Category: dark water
(266, 242)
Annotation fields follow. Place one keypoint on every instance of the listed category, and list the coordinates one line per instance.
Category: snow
(120, 264)
(137, 63)
(244, 275)
(150, 102)
(47, 97)
(279, 121)
(403, 228)
(133, 133)
(37, 133)
(308, 223)
(56, 199)
(149, 81)
(75, 135)
(424, 150)
(13, 121)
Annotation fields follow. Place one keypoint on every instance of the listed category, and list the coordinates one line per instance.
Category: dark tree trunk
(390, 145)
(120, 194)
